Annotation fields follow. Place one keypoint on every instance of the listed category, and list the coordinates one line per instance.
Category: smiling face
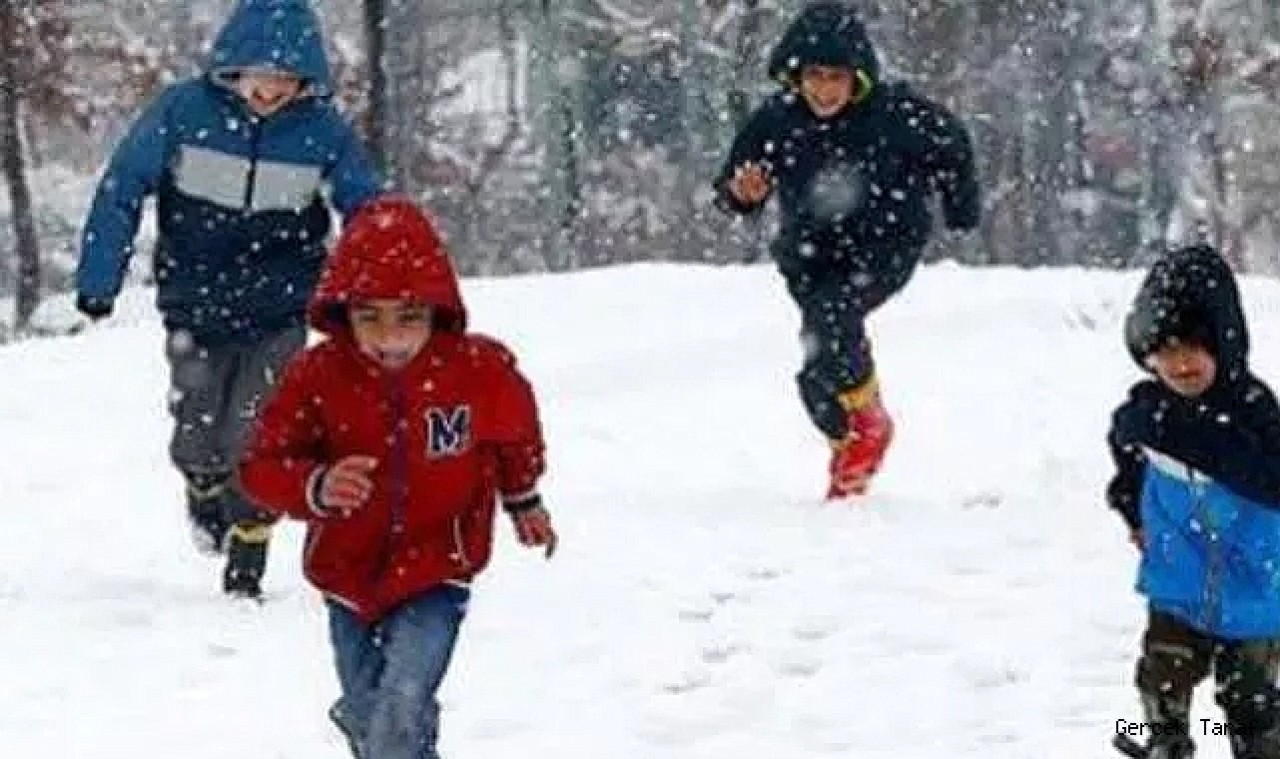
(826, 89)
(1186, 368)
(268, 91)
(391, 332)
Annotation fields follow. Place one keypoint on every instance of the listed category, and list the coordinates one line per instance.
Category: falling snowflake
(839, 191)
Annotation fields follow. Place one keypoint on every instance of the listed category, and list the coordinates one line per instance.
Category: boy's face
(268, 91)
(827, 89)
(1186, 368)
(391, 332)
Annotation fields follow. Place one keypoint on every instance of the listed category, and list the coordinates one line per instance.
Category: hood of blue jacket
(279, 34)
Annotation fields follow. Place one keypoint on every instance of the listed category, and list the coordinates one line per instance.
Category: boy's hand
(533, 528)
(346, 486)
(750, 184)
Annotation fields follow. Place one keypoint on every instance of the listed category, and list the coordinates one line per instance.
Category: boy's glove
(533, 525)
(94, 308)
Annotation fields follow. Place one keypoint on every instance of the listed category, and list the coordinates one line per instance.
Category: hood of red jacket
(388, 249)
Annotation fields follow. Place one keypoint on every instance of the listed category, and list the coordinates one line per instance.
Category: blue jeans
(390, 672)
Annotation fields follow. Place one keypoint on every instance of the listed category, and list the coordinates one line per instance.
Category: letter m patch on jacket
(448, 430)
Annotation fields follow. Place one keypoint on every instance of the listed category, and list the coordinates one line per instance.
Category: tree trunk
(375, 31)
(492, 156)
(11, 163)
(746, 54)
(746, 58)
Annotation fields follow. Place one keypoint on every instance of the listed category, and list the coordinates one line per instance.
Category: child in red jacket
(395, 439)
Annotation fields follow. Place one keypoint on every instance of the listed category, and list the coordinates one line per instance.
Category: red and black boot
(857, 458)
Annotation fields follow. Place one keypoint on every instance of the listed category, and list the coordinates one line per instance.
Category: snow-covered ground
(705, 603)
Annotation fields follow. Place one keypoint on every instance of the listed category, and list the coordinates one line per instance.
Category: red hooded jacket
(454, 432)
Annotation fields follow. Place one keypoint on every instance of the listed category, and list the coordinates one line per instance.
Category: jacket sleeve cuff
(314, 481)
(518, 504)
(1130, 516)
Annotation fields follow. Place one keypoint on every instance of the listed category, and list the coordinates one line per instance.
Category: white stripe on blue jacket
(241, 219)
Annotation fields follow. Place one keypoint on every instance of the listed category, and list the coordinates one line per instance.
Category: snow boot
(247, 544)
(207, 512)
(1168, 715)
(1258, 745)
(1171, 746)
(856, 458)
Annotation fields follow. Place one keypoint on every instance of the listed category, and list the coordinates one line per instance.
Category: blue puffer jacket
(1211, 557)
(242, 222)
(1200, 477)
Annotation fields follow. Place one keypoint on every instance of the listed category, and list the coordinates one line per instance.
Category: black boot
(207, 512)
(247, 544)
(1246, 675)
(1169, 717)
(1263, 745)
(1171, 746)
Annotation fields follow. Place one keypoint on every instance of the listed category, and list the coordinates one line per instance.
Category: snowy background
(705, 603)
(552, 136)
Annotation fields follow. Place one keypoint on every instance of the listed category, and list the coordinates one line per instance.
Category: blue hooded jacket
(1200, 477)
(242, 222)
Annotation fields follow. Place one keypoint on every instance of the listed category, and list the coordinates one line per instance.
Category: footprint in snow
(815, 630)
(760, 574)
(798, 666)
(686, 682)
(719, 653)
(696, 614)
(983, 500)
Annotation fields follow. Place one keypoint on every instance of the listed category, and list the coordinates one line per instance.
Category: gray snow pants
(214, 397)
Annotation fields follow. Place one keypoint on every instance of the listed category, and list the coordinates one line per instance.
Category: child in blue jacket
(854, 162)
(236, 159)
(1197, 450)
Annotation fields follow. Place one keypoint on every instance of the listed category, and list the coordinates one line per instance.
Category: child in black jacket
(1197, 450)
(853, 162)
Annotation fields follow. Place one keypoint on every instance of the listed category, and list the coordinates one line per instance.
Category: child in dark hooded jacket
(853, 162)
(1197, 451)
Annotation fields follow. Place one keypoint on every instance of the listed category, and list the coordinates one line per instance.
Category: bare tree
(13, 30)
(375, 33)
(491, 156)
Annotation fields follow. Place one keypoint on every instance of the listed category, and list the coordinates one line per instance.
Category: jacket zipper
(399, 480)
(255, 129)
(1212, 598)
